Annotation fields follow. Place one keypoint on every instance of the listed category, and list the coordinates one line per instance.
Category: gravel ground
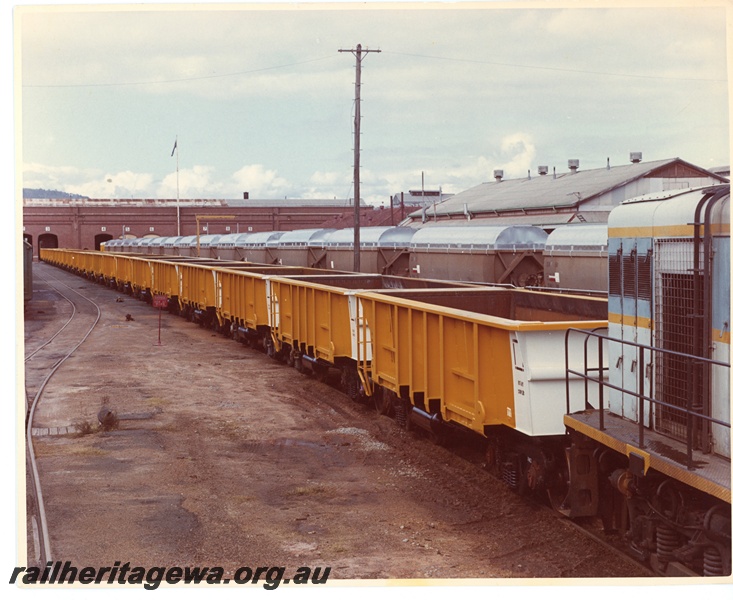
(225, 457)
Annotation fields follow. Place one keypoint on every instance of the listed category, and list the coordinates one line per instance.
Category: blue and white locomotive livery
(655, 462)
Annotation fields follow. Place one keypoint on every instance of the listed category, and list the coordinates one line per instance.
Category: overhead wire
(560, 69)
(180, 80)
(407, 54)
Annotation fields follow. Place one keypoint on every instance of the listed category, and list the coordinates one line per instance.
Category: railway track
(42, 360)
(81, 319)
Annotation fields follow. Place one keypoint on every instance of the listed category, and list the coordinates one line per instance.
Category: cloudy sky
(261, 100)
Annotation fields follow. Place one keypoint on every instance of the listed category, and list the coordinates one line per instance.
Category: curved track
(41, 362)
(356, 410)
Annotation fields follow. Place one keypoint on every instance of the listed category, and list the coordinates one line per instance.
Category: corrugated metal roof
(565, 190)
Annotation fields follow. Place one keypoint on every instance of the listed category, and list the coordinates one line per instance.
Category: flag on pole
(175, 145)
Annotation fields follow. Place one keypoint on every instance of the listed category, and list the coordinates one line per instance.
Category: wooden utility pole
(357, 126)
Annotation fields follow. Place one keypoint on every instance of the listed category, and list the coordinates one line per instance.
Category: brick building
(85, 223)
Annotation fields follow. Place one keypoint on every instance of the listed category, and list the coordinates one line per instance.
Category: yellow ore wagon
(489, 360)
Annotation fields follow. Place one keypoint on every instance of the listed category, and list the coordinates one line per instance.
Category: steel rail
(44, 540)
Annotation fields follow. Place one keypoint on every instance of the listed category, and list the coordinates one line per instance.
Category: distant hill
(38, 193)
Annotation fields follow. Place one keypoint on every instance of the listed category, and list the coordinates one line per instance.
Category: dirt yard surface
(225, 457)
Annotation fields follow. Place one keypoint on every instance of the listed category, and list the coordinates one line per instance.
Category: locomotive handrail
(600, 368)
(689, 412)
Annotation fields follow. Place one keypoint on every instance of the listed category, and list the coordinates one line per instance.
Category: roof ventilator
(635, 157)
(542, 169)
(573, 165)
(498, 174)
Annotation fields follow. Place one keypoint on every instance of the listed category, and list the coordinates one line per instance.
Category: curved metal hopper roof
(185, 241)
(380, 237)
(489, 237)
(578, 237)
(172, 241)
(158, 242)
(230, 239)
(302, 237)
(206, 240)
(259, 239)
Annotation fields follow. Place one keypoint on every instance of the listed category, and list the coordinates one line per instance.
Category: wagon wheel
(440, 437)
(384, 401)
(321, 373)
(558, 486)
(270, 347)
(350, 384)
(493, 457)
(401, 414)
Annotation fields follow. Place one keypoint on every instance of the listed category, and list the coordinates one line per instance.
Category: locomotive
(655, 457)
(615, 408)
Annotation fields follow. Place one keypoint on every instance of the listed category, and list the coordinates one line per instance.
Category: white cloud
(518, 152)
(260, 182)
(194, 182)
(36, 175)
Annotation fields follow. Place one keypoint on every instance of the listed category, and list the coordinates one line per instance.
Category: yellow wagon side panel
(495, 382)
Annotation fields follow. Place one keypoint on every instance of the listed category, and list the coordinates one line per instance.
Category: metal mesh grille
(674, 330)
(614, 274)
(644, 273)
(629, 274)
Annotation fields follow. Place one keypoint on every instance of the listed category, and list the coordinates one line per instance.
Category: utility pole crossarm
(357, 52)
